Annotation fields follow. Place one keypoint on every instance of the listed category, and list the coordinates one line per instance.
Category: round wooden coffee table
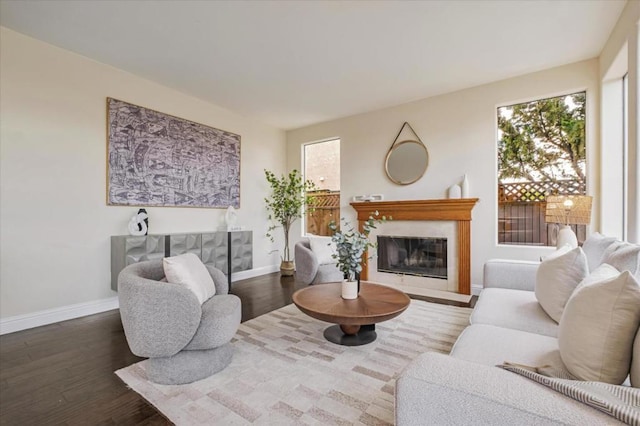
(356, 317)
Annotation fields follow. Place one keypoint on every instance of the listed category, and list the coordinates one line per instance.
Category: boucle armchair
(310, 270)
(184, 340)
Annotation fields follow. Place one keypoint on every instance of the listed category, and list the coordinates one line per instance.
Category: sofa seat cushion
(491, 345)
(436, 389)
(516, 309)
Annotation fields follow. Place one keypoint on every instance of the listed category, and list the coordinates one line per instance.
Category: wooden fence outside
(521, 211)
(327, 208)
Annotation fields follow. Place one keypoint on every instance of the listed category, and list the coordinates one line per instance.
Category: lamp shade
(568, 209)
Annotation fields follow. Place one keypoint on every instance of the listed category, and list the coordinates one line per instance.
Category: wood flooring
(63, 373)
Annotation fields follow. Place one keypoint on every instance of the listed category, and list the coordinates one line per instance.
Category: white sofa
(507, 325)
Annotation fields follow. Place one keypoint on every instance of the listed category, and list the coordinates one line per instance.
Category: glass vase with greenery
(289, 196)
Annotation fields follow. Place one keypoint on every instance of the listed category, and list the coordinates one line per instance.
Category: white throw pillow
(557, 276)
(624, 257)
(323, 248)
(594, 247)
(599, 325)
(188, 270)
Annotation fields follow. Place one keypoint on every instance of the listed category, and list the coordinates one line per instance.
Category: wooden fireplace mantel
(458, 209)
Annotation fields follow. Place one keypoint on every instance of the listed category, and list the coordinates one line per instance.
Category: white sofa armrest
(438, 389)
(512, 274)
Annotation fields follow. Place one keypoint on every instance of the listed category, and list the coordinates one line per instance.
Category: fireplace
(448, 219)
(422, 257)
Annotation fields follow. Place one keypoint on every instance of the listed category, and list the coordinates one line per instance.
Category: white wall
(54, 221)
(460, 132)
(619, 56)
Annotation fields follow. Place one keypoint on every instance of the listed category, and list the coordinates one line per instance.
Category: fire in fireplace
(423, 257)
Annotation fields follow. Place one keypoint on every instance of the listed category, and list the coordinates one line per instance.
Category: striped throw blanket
(621, 402)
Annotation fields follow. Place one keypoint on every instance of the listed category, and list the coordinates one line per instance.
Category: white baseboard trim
(50, 316)
(63, 313)
(243, 275)
(476, 289)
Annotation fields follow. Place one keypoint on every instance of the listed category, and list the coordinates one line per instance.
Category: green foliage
(543, 140)
(288, 198)
(351, 244)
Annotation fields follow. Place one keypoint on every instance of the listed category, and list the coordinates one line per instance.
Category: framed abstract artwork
(156, 159)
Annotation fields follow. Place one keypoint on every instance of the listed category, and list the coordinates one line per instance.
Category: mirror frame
(392, 150)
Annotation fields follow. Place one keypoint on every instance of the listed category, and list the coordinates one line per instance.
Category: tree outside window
(541, 152)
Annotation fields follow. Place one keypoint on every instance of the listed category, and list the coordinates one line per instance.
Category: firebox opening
(423, 257)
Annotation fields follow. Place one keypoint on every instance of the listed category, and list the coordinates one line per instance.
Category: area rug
(285, 372)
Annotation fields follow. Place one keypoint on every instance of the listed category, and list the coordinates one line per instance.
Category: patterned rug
(285, 372)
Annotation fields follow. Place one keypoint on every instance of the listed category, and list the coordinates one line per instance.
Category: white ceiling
(291, 63)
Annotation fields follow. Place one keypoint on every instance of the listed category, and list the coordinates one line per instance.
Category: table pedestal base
(366, 334)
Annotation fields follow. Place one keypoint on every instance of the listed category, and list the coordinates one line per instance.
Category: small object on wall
(139, 223)
(465, 187)
(455, 191)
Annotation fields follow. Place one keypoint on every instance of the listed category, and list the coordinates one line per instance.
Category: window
(616, 171)
(541, 152)
(322, 166)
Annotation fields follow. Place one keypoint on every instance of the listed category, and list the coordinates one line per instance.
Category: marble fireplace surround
(456, 213)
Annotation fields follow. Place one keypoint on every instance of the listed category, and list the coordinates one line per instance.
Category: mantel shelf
(445, 209)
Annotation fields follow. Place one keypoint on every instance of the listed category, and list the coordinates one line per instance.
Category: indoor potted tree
(289, 195)
(350, 247)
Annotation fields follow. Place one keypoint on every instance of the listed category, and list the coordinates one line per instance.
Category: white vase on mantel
(454, 191)
(465, 187)
(349, 289)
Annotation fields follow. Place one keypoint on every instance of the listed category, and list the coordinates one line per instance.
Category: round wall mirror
(406, 162)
